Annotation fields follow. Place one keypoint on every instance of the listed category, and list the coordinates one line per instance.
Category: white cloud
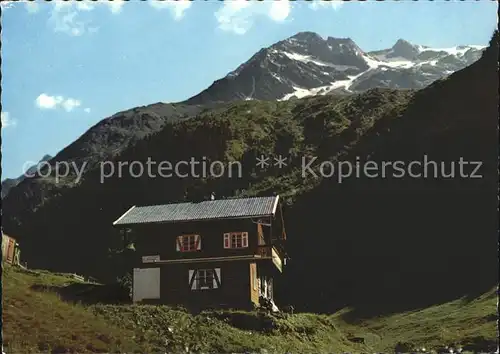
(279, 10)
(70, 104)
(45, 101)
(238, 15)
(7, 121)
(319, 4)
(87, 110)
(85, 6)
(7, 5)
(32, 6)
(115, 6)
(177, 7)
(63, 18)
(65, 15)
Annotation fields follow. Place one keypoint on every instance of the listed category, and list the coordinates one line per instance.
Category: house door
(266, 288)
(146, 284)
(270, 288)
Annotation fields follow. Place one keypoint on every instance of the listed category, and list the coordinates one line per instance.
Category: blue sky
(66, 66)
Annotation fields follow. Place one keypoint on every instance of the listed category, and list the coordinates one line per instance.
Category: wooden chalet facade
(211, 254)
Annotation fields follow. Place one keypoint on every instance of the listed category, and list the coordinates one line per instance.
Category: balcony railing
(264, 251)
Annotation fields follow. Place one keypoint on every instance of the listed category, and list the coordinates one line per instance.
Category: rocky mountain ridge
(9, 183)
(307, 64)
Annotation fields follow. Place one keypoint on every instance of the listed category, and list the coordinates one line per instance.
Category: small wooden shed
(10, 250)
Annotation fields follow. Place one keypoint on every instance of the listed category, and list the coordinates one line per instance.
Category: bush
(125, 283)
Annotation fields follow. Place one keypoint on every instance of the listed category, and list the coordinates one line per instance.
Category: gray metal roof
(206, 210)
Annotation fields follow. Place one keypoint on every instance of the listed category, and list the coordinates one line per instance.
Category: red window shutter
(227, 241)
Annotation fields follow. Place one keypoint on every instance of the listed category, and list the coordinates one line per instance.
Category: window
(202, 279)
(236, 240)
(188, 243)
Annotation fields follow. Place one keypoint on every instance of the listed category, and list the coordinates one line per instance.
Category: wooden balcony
(264, 251)
(269, 252)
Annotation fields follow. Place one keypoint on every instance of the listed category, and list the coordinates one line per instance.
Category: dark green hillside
(424, 240)
(374, 243)
(105, 140)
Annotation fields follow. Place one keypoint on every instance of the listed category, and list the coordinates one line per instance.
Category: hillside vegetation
(384, 245)
(36, 318)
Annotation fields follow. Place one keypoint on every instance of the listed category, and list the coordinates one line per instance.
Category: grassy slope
(37, 321)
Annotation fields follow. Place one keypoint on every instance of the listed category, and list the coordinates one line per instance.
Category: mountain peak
(334, 41)
(401, 42)
(404, 49)
(306, 36)
(337, 39)
(47, 157)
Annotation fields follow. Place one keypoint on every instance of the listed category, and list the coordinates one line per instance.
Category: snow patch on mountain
(458, 50)
(382, 62)
(300, 92)
(304, 58)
